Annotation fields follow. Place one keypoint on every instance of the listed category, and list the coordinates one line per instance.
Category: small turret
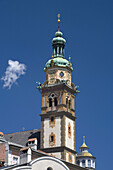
(84, 158)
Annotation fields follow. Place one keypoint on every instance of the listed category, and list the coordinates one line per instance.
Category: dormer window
(32, 143)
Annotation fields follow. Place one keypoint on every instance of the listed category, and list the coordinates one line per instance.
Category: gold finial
(69, 58)
(23, 129)
(52, 56)
(83, 139)
(58, 21)
(58, 18)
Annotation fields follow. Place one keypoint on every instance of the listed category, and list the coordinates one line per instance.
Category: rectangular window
(15, 160)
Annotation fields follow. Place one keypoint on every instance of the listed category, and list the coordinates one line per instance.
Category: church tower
(58, 108)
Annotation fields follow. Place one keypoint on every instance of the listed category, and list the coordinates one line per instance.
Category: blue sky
(26, 30)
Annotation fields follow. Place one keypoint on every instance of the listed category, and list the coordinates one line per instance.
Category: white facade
(56, 130)
(57, 154)
(89, 162)
(67, 158)
(44, 163)
(69, 141)
(13, 159)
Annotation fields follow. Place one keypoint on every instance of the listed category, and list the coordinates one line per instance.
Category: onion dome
(59, 62)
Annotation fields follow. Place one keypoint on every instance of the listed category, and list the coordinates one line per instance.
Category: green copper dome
(59, 62)
(58, 39)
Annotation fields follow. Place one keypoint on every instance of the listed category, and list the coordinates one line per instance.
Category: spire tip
(58, 21)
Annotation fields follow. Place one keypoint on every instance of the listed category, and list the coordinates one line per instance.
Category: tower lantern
(84, 158)
(58, 42)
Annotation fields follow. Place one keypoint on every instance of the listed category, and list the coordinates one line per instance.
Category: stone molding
(58, 113)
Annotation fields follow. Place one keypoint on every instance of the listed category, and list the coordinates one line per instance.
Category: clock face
(61, 74)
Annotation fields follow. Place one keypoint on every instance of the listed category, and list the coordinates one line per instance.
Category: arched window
(56, 50)
(51, 121)
(83, 163)
(55, 101)
(70, 157)
(50, 102)
(89, 163)
(69, 130)
(78, 162)
(69, 104)
(52, 139)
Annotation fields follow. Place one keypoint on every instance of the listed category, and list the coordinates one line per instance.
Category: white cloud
(13, 72)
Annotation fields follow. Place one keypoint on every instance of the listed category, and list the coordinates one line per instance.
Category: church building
(51, 147)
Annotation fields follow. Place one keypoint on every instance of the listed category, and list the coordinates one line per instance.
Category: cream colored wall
(57, 154)
(69, 141)
(67, 158)
(56, 130)
(54, 74)
(10, 159)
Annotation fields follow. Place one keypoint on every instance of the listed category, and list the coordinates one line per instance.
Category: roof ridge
(20, 131)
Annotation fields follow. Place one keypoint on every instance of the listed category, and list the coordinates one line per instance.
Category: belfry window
(55, 101)
(69, 104)
(50, 102)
